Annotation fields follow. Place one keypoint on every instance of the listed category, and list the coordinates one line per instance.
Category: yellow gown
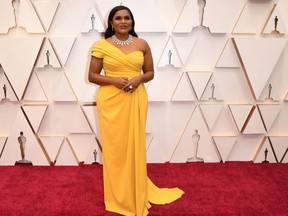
(122, 120)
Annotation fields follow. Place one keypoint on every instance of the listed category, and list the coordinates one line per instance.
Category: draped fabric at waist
(110, 95)
(128, 74)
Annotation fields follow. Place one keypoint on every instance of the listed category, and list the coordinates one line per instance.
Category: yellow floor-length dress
(122, 120)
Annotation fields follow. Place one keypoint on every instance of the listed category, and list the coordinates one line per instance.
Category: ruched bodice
(116, 63)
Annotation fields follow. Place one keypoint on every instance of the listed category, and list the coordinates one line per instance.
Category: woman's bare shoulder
(142, 41)
(142, 44)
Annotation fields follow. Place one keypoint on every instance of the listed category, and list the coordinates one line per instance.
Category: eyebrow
(126, 16)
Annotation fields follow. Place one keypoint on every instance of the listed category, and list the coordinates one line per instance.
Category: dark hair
(109, 32)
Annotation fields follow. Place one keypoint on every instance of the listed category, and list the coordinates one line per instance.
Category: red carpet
(234, 188)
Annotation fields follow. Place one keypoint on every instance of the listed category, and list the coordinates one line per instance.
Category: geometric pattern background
(224, 75)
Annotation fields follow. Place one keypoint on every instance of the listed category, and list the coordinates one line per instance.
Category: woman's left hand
(133, 84)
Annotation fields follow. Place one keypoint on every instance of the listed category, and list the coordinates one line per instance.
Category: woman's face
(122, 22)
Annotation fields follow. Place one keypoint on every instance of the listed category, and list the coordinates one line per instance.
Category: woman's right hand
(120, 82)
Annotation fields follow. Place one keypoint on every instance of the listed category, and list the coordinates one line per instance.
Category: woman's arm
(148, 66)
(94, 76)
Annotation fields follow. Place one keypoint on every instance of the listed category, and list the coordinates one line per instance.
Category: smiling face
(122, 22)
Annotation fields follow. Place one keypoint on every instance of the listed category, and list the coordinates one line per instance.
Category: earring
(112, 28)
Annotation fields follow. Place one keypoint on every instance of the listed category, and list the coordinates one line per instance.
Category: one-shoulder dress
(122, 122)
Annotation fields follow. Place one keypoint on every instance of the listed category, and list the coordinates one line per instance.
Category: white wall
(235, 51)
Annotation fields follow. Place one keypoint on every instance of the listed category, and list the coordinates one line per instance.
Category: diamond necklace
(122, 43)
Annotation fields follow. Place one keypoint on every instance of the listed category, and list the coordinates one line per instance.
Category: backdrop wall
(220, 69)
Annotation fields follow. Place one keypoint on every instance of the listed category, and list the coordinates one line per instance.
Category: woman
(122, 109)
